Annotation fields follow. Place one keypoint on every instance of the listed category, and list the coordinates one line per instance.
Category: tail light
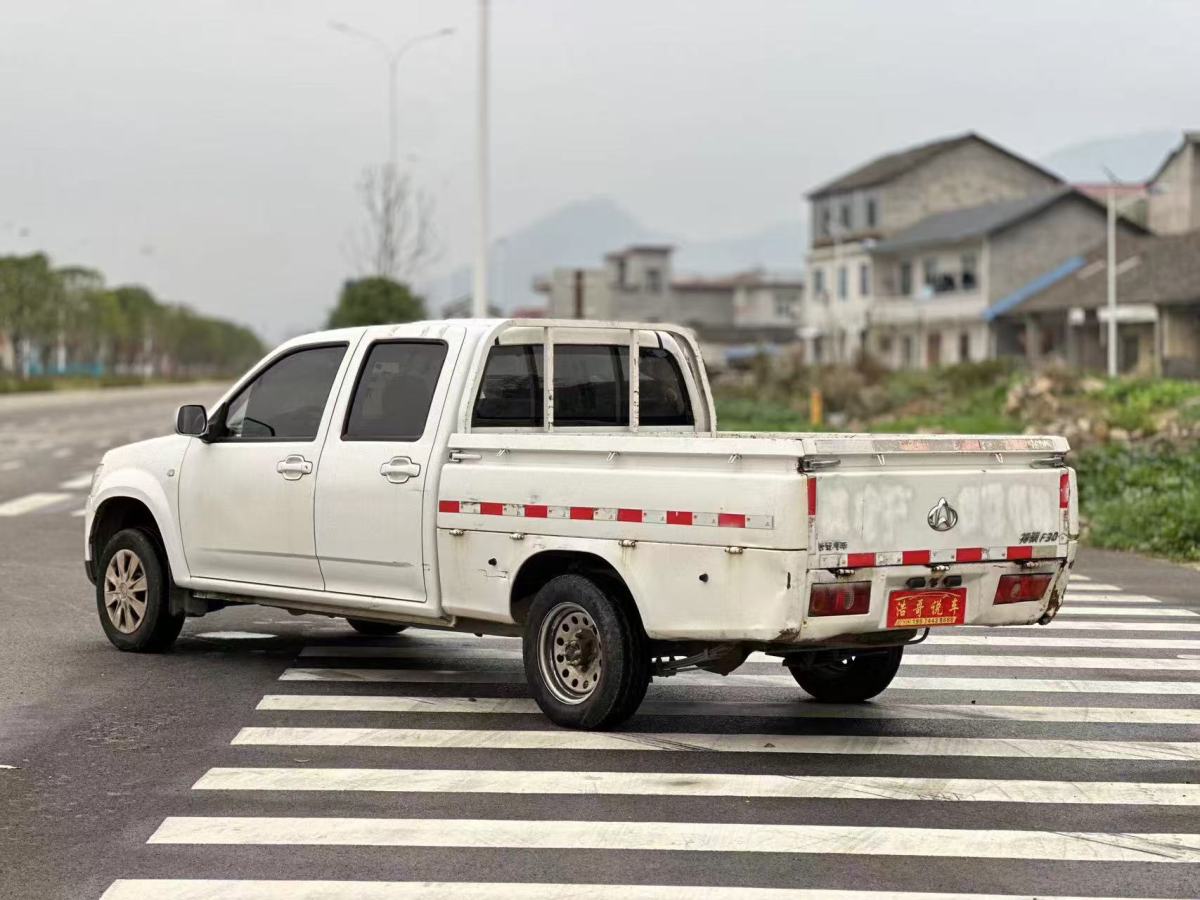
(1064, 490)
(1021, 588)
(840, 599)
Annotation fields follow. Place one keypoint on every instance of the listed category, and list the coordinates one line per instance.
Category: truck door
(370, 528)
(246, 497)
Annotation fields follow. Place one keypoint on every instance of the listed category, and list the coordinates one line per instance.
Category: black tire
(152, 628)
(604, 641)
(856, 678)
(375, 629)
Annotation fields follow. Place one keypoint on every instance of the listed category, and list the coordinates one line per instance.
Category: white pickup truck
(565, 481)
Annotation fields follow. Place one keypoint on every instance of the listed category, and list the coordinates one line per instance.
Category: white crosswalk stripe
(476, 781)
(1179, 664)
(485, 739)
(877, 710)
(31, 503)
(708, 837)
(515, 675)
(197, 889)
(1103, 768)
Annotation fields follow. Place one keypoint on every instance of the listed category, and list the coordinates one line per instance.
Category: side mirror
(191, 420)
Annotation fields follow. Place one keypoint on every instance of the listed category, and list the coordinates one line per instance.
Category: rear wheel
(586, 660)
(133, 593)
(849, 677)
(377, 629)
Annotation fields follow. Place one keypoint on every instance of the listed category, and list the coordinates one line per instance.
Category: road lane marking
(30, 503)
(669, 784)
(1071, 610)
(61, 453)
(1059, 625)
(914, 659)
(205, 889)
(1074, 587)
(1118, 598)
(690, 836)
(800, 709)
(867, 745)
(77, 483)
(11, 464)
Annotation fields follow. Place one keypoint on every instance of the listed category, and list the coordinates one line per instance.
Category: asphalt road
(282, 756)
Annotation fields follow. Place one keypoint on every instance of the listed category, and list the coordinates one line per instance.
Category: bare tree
(398, 237)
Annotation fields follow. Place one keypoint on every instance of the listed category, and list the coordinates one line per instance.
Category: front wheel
(133, 594)
(849, 677)
(586, 659)
(376, 629)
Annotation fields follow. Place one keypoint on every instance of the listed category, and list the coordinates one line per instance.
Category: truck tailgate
(879, 502)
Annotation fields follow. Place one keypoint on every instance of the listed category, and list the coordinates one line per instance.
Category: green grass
(1133, 403)
(1143, 499)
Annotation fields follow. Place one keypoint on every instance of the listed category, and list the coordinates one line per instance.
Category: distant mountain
(1131, 157)
(581, 232)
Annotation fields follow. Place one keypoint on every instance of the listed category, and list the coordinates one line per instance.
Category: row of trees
(65, 320)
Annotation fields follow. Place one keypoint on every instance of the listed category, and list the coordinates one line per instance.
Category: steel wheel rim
(569, 652)
(125, 591)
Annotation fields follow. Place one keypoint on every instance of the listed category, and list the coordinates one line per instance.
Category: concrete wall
(968, 175)
(1180, 328)
(597, 297)
(758, 305)
(700, 307)
(1175, 195)
(1031, 248)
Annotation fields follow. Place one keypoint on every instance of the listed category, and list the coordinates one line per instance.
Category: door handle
(463, 456)
(293, 467)
(399, 469)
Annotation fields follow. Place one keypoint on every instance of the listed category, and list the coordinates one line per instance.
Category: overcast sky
(209, 148)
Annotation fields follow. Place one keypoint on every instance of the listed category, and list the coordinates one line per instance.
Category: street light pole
(1112, 279)
(392, 56)
(479, 296)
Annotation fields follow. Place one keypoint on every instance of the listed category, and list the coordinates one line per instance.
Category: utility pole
(479, 297)
(1112, 278)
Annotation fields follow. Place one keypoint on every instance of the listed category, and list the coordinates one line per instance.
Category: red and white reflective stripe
(607, 514)
(950, 555)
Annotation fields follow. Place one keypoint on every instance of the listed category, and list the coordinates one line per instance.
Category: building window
(819, 283)
(930, 267)
(783, 305)
(968, 272)
(906, 283)
(906, 351)
(843, 283)
(872, 212)
(964, 347)
(654, 281)
(823, 219)
(864, 279)
(845, 215)
(885, 344)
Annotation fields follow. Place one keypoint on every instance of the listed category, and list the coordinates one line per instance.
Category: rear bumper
(979, 579)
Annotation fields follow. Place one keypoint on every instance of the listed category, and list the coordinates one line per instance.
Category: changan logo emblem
(943, 516)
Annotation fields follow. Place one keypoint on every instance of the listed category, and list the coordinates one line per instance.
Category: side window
(394, 391)
(510, 394)
(286, 401)
(662, 393)
(589, 387)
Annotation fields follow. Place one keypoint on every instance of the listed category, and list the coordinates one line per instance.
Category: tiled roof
(892, 165)
(972, 222)
(1158, 270)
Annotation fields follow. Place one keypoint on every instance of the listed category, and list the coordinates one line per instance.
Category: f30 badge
(943, 516)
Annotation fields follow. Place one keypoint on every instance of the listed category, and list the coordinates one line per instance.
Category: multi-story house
(938, 278)
(878, 200)
(639, 283)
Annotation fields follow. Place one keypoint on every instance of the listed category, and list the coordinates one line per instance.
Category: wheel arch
(539, 568)
(120, 509)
